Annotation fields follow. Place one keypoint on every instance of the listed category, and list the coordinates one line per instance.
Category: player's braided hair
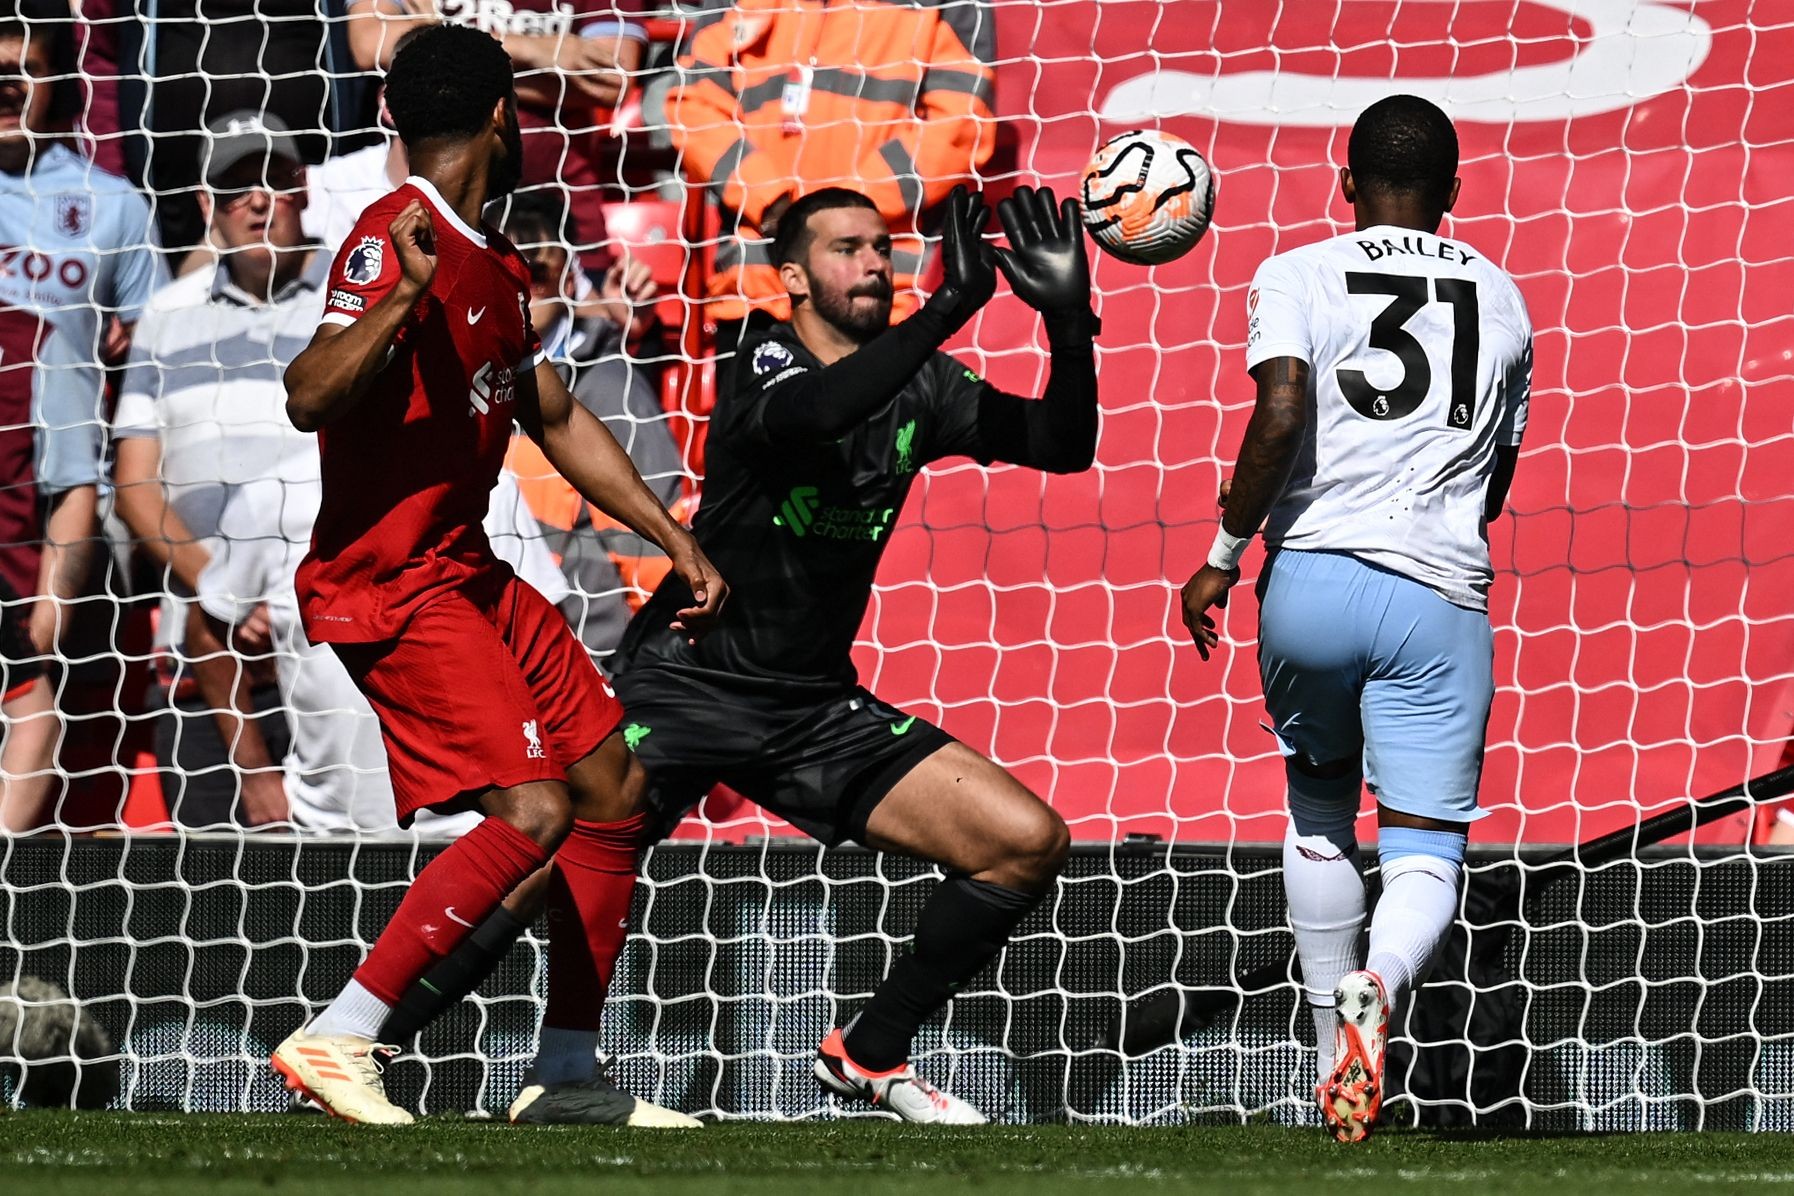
(444, 81)
(1405, 144)
(48, 20)
(791, 241)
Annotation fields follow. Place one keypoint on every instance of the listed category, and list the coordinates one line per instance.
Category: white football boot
(900, 1090)
(341, 1075)
(1352, 1097)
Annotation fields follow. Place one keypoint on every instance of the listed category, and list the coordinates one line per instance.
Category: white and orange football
(1148, 196)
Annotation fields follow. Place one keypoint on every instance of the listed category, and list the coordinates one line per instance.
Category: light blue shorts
(1362, 664)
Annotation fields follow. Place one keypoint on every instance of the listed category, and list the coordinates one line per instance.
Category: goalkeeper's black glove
(967, 260)
(1046, 264)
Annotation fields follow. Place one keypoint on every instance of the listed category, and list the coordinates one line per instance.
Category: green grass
(44, 1153)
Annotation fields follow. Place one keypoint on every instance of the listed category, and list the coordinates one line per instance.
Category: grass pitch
(45, 1153)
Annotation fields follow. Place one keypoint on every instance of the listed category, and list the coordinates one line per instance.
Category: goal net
(1624, 161)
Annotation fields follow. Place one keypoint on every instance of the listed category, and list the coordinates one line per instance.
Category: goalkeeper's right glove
(967, 260)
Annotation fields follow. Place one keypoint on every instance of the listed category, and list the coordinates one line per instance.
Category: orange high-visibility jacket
(780, 97)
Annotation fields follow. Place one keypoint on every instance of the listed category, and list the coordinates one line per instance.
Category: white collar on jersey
(446, 212)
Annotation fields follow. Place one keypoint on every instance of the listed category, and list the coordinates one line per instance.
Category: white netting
(1624, 161)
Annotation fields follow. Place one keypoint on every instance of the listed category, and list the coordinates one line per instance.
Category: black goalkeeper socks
(454, 976)
(961, 929)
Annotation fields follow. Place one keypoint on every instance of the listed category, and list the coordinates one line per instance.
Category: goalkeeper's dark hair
(48, 21)
(1405, 145)
(444, 81)
(791, 242)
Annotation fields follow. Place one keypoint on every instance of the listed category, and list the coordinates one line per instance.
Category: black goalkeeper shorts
(820, 764)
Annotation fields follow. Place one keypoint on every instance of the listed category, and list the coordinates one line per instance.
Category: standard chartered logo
(804, 514)
(798, 511)
(492, 384)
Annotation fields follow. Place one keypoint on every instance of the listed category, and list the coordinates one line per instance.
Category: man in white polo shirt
(219, 489)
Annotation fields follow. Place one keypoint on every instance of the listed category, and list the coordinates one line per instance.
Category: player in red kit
(424, 358)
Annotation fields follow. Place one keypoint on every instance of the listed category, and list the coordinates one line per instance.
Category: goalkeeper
(811, 457)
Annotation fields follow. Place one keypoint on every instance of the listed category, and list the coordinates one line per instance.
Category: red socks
(588, 917)
(448, 899)
(588, 911)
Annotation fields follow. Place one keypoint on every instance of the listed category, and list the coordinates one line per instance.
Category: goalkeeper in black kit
(812, 451)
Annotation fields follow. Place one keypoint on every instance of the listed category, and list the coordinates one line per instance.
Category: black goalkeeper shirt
(796, 517)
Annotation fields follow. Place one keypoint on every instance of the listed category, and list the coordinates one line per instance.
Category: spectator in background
(773, 100)
(340, 188)
(77, 264)
(105, 39)
(202, 413)
(221, 491)
(573, 59)
(203, 58)
(585, 329)
(609, 568)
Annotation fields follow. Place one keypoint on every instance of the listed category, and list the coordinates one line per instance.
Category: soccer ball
(1148, 196)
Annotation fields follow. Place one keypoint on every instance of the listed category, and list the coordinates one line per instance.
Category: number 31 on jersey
(1407, 295)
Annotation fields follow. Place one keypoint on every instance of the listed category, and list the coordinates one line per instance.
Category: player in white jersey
(76, 252)
(1393, 369)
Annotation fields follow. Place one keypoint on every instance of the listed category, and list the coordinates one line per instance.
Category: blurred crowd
(175, 176)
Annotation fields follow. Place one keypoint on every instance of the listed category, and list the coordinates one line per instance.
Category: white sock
(356, 1012)
(1326, 913)
(564, 1055)
(1418, 906)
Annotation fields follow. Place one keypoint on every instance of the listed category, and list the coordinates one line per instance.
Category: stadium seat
(648, 231)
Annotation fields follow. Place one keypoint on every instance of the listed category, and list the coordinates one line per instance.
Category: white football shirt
(1420, 363)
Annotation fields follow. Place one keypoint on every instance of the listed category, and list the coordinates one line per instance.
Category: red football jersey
(407, 473)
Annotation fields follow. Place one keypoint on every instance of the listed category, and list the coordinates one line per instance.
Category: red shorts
(475, 696)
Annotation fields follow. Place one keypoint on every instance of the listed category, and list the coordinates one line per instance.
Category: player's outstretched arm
(332, 374)
(1267, 455)
(582, 449)
(1049, 270)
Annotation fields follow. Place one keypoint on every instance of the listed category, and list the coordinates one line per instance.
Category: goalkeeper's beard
(849, 314)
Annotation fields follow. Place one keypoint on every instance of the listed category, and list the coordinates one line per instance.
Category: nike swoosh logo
(903, 727)
(457, 919)
(473, 317)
